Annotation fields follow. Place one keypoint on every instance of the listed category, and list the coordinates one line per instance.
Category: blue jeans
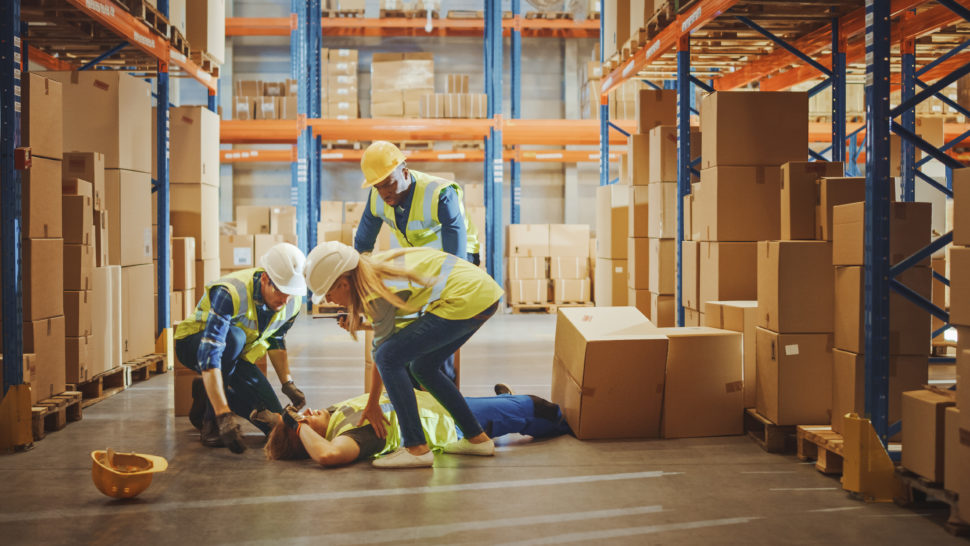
(519, 413)
(420, 349)
(245, 385)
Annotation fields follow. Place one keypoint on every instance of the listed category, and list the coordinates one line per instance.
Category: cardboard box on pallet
(176, 307)
(662, 211)
(638, 159)
(282, 220)
(794, 377)
(924, 419)
(45, 338)
(128, 194)
(909, 324)
(961, 207)
(570, 290)
(605, 359)
(655, 107)
(728, 271)
(909, 232)
(737, 203)
(662, 310)
(689, 217)
(77, 313)
(738, 316)
(194, 145)
(612, 226)
(252, 219)
(86, 166)
(40, 199)
(78, 218)
(205, 27)
(190, 299)
(137, 295)
(663, 152)
(43, 278)
(849, 384)
(796, 287)
(528, 291)
(690, 274)
(799, 195)
(243, 108)
(734, 131)
(78, 266)
(43, 129)
(28, 371)
(611, 282)
(569, 267)
(527, 268)
(236, 252)
(569, 240)
(662, 266)
(102, 241)
(77, 359)
(638, 262)
(639, 214)
(195, 213)
(183, 263)
(105, 294)
(528, 239)
(265, 108)
(833, 192)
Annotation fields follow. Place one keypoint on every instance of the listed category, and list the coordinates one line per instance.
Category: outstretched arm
(341, 450)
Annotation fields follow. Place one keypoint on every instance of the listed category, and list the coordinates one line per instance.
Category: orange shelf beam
(417, 156)
(270, 131)
(50, 63)
(399, 26)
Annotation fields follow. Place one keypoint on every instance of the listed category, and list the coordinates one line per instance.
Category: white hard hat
(284, 264)
(325, 264)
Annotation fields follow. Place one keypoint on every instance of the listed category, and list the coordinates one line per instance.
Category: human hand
(294, 394)
(230, 433)
(342, 321)
(376, 417)
(292, 417)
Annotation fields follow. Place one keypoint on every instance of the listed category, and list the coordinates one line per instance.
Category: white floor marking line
(327, 496)
(906, 515)
(840, 509)
(768, 472)
(804, 489)
(429, 532)
(590, 536)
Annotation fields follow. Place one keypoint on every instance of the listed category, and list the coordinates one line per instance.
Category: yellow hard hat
(124, 475)
(379, 161)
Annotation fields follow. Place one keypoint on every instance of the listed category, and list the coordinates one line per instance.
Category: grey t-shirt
(384, 315)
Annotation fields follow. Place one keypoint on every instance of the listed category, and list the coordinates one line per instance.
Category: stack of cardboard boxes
(399, 82)
(569, 263)
(338, 96)
(185, 292)
(258, 99)
(205, 27)
(257, 230)
(548, 262)
(590, 77)
(473, 195)
(612, 227)
(456, 102)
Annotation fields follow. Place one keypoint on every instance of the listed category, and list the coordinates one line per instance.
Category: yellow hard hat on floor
(379, 161)
(124, 475)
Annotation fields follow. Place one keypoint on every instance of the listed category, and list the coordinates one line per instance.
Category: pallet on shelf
(549, 15)
(415, 145)
(205, 61)
(822, 444)
(340, 145)
(917, 491)
(147, 13)
(335, 13)
(178, 41)
(54, 413)
(547, 308)
(465, 14)
(771, 437)
(408, 13)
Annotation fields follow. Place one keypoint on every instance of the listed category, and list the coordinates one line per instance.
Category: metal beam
(956, 8)
(926, 146)
(919, 300)
(780, 42)
(922, 254)
(94, 62)
(683, 161)
(838, 81)
(931, 90)
(10, 218)
(515, 88)
(907, 151)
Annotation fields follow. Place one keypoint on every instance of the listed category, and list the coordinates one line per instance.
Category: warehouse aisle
(713, 490)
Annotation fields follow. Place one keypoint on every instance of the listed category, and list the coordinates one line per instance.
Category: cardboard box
(353, 211)
(960, 291)
(909, 324)
(662, 310)
(639, 298)
(638, 262)
(262, 243)
(109, 112)
(282, 220)
(909, 232)
(330, 211)
(195, 213)
(794, 377)
(28, 370)
(569, 267)
(639, 215)
(693, 317)
(528, 291)
(43, 126)
(86, 166)
(104, 295)
(796, 287)
(612, 227)
(662, 215)
(609, 361)
(663, 266)
(78, 216)
(527, 268)
(655, 107)
(737, 204)
(690, 274)
(570, 290)
(663, 153)
(236, 252)
(243, 108)
(833, 192)
(528, 239)
(45, 338)
(924, 415)
(569, 240)
(41, 199)
(952, 464)
(137, 296)
(735, 133)
(43, 278)
(638, 159)
(728, 271)
(176, 307)
(286, 107)
(129, 196)
(799, 193)
(738, 316)
(78, 266)
(688, 217)
(251, 220)
(102, 242)
(77, 359)
(77, 313)
(961, 207)
(264, 108)
(183, 263)
(205, 27)
(849, 384)
(610, 282)
(702, 394)
(194, 145)
(189, 300)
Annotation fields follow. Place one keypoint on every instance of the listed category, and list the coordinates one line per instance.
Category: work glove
(292, 417)
(294, 394)
(230, 433)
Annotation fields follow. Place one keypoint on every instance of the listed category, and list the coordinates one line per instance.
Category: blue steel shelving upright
(161, 187)
(494, 158)
(299, 171)
(515, 90)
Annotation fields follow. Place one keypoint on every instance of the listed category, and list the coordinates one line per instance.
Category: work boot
(209, 433)
(230, 433)
(199, 399)
(502, 388)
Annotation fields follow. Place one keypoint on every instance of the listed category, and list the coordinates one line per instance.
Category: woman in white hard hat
(423, 304)
(241, 317)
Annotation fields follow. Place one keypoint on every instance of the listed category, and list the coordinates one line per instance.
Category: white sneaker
(402, 458)
(464, 447)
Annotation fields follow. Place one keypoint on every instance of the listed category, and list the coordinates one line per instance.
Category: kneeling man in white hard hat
(240, 318)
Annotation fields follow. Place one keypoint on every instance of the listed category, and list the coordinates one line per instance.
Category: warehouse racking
(860, 38)
(91, 34)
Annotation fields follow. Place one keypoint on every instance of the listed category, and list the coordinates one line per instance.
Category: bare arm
(373, 411)
(341, 450)
(281, 363)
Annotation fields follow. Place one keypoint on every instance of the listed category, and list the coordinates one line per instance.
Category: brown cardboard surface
(282, 220)
(663, 266)
(909, 324)
(655, 107)
(194, 145)
(693, 317)
(78, 219)
(702, 394)
(641, 300)
(262, 243)
(528, 291)
(799, 193)
(951, 443)
(569, 240)
(137, 296)
(961, 206)
(569, 267)
(796, 287)
(43, 126)
(43, 278)
(353, 210)
(609, 361)
(183, 263)
(195, 213)
(909, 231)
(849, 384)
(833, 192)
(190, 299)
(77, 359)
(611, 282)
(924, 414)
(129, 197)
(612, 226)
(737, 204)
(662, 310)
(235, 252)
(662, 215)
(639, 213)
(638, 159)
(638, 263)
(117, 340)
(205, 27)
(963, 373)
(794, 377)
(77, 313)
(527, 267)
(738, 316)
(103, 293)
(102, 242)
(663, 154)
(333, 211)
(570, 290)
(45, 338)
(728, 271)
(688, 217)
(78, 267)
(252, 219)
(528, 239)
(960, 291)
(735, 133)
(86, 166)
(177, 307)
(690, 274)
(40, 199)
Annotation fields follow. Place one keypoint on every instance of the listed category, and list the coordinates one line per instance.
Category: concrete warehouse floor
(711, 490)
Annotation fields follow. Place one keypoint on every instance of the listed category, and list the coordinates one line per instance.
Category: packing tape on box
(734, 386)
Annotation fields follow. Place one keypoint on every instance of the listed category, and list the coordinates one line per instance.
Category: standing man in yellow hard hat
(240, 318)
(420, 209)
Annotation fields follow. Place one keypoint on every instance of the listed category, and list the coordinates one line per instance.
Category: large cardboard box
(655, 107)
(639, 215)
(77, 313)
(833, 192)
(663, 266)
(738, 316)
(961, 207)
(137, 297)
(77, 359)
(641, 300)
(960, 291)
(610, 282)
(528, 239)
(794, 377)
(612, 226)
(108, 111)
(735, 133)
(570, 290)
(78, 216)
(528, 291)
(78, 267)
(952, 463)
(662, 216)
(638, 262)
(924, 418)
(183, 263)
(638, 159)
(728, 271)
(737, 204)
(703, 390)
(527, 267)
(569, 240)
(909, 231)
(43, 278)
(799, 192)
(41, 199)
(194, 145)
(609, 361)
(662, 310)
(251, 220)
(690, 275)
(569, 267)
(43, 127)
(796, 287)
(45, 338)
(236, 252)
(102, 241)
(205, 27)
(963, 372)
(86, 166)
(849, 384)
(262, 243)
(129, 196)
(195, 213)
(909, 324)
(282, 220)
(333, 211)
(104, 296)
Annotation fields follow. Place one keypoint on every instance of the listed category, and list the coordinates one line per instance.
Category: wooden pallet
(468, 145)
(823, 445)
(549, 15)
(408, 13)
(465, 14)
(205, 62)
(335, 13)
(141, 369)
(918, 491)
(54, 413)
(547, 308)
(148, 14)
(178, 42)
(680, 6)
(340, 145)
(771, 437)
(103, 385)
(415, 145)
